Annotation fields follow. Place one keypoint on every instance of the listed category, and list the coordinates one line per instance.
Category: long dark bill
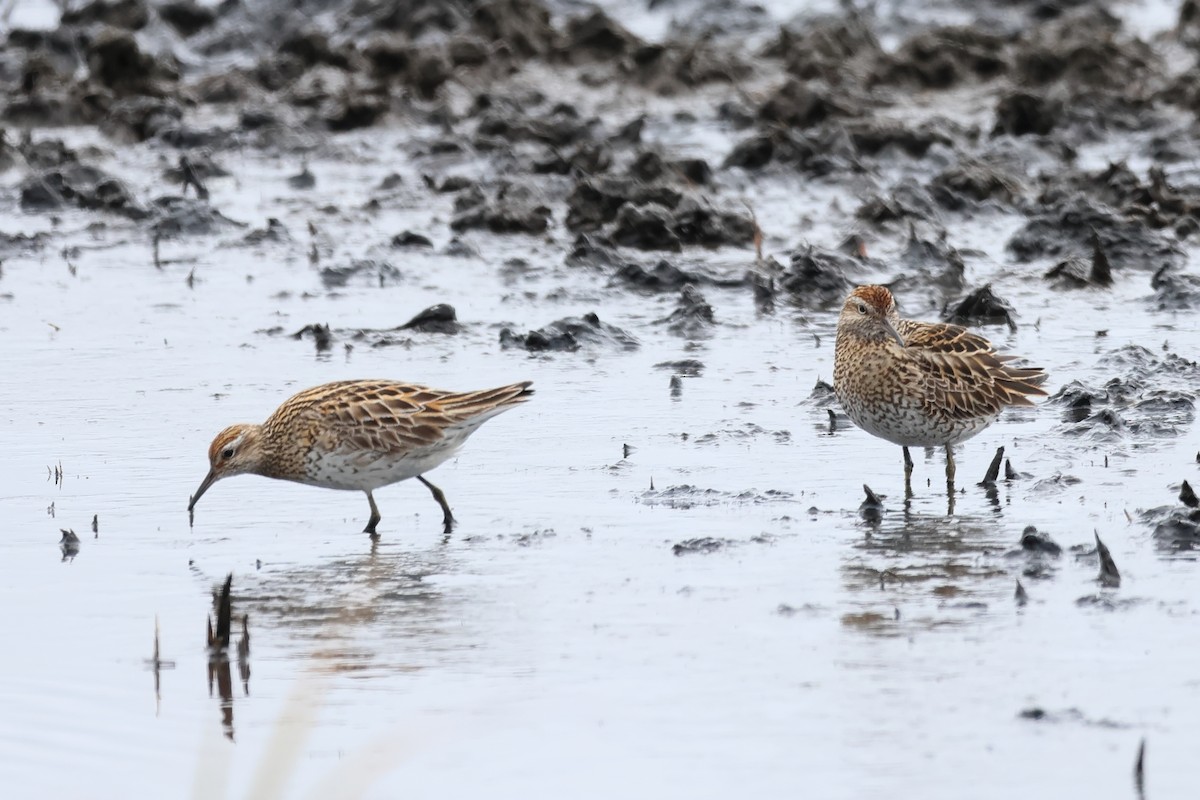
(208, 481)
(891, 330)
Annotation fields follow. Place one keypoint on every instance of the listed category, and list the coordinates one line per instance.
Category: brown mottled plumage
(921, 384)
(358, 435)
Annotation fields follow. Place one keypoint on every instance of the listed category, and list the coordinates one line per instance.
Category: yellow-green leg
(447, 517)
(375, 517)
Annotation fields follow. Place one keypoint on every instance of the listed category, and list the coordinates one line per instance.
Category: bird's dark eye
(227, 452)
(862, 308)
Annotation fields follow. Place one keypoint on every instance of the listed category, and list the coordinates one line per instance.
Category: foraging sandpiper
(359, 435)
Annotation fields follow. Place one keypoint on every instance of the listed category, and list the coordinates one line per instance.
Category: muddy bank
(819, 97)
(654, 211)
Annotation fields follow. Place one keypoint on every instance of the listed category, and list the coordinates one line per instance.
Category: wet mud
(654, 211)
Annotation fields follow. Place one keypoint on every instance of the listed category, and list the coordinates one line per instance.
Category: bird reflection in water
(219, 639)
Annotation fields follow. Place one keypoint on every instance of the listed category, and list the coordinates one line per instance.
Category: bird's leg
(374, 520)
(908, 466)
(447, 517)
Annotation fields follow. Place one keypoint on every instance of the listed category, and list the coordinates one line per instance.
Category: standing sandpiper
(359, 435)
(921, 384)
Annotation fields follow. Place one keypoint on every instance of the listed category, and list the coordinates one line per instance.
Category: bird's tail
(1021, 383)
(483, 404)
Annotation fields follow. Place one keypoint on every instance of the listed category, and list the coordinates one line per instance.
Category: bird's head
(235, 451)
(870, 313)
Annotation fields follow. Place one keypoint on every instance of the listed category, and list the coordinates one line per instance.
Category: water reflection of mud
(220, 676)
(218, 673)
(220, 643)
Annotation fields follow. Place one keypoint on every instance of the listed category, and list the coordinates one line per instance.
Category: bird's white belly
(910, 426)
(365, 471)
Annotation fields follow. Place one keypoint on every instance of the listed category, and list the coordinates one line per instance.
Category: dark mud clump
(1178, 530)
(440, 318)
(820, 152)
(80, 185)
(321, 335)
(665, 276)
(185, 216)
(1034, 541)
(1175, 290)
(1020, 113)
(274, 233)
(1077, 273)
(1037, 565)
(570, 334)
(1148, 396)
(360, 268)
(692, 317)
(646, 212)
(822, 395)
(513, 208)
(825, 104)
(745, 432)
(974, 184)
(982, 307)
(704, 545)
(928, 262)
(905, 203)
(1071, 223)
(685, 368)
(593, 204)
(686, 496)
(1176, 527)
(68, 544)
(406, 239)
(646, 228)
(1109, 576)
(871, 508)
(820, 279)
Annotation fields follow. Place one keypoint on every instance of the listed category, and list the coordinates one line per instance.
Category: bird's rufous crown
(877, 297)
(223, 440)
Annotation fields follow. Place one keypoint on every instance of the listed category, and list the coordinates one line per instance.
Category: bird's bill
(208, 481)
(886, 324)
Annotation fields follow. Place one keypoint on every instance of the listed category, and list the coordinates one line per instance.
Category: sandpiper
(921, 384)
(359, 435)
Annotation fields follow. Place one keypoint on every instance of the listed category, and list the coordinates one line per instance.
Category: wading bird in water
(921, 384)
(359, 435)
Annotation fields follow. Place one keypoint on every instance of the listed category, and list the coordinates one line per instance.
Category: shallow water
(556, 643)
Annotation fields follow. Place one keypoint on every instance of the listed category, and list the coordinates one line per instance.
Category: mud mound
(1148, 396)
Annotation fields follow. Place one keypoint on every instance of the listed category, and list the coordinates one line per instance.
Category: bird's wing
(394, 418)
(963, 375)
(942, 337)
